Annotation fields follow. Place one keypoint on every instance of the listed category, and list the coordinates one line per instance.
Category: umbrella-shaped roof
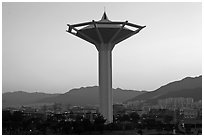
(104, 31)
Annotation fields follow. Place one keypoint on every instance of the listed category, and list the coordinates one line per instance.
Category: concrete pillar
(105, 84)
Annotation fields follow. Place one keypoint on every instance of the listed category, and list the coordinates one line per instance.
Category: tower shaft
(105, 83)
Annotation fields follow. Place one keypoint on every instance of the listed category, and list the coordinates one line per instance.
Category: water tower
(105, 34)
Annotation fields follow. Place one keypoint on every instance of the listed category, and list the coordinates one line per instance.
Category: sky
(38, 55)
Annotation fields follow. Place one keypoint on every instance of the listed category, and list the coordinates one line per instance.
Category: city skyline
(38, 54)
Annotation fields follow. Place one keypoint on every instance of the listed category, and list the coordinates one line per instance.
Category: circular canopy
(104, 31)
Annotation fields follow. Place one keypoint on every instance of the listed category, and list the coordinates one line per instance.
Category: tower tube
(105, 83)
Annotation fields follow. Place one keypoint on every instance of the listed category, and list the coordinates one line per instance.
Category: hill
(90, 96)
(80, 96)
(187, 87)
(22, 98)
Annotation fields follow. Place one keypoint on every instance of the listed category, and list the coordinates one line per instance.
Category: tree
(87, 125)
(125, 118)
(78, 127)
(99, 123)
(168, 119)
(6, 120)
(135, 117)
(17, 116)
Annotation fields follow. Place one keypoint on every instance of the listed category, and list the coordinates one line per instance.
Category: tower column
(105, 83)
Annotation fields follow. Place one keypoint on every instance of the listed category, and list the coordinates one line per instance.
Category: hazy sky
(38, 54)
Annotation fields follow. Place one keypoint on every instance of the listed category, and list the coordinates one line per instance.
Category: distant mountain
(195, 93)
(187, 87)
(23, 98)
(81, 96)
(90, 96)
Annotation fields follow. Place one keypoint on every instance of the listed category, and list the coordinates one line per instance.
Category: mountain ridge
(183, 84)
(89, 95)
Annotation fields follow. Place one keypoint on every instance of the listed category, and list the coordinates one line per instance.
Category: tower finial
(104, 17)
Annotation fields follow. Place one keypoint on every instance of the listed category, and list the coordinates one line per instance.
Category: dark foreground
(19, 123)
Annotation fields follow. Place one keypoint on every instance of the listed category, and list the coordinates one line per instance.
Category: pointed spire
(104, 17)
